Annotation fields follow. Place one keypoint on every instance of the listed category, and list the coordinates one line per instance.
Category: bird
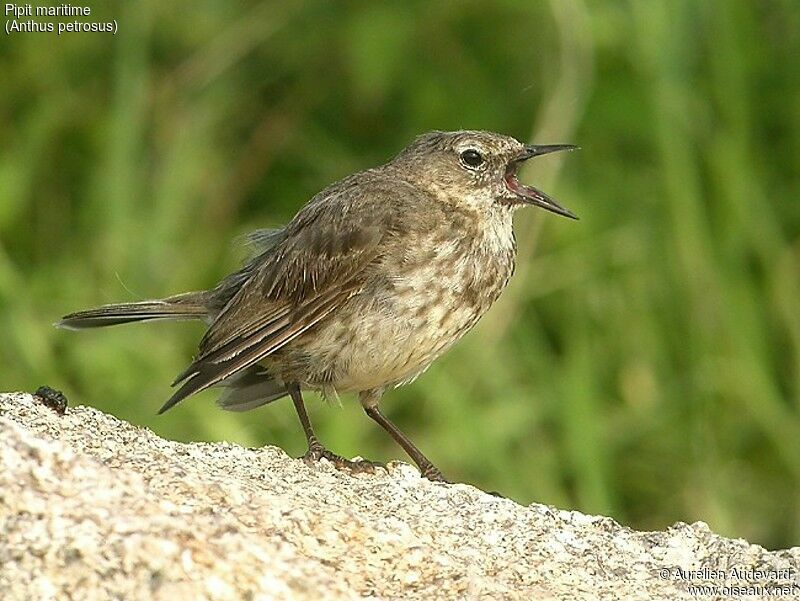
(374, 278)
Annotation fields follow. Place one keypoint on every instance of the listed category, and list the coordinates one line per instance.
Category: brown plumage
(372, 280)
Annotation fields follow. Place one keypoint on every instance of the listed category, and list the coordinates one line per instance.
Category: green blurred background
(644, 362)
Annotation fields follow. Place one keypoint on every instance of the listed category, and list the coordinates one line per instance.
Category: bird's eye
(472, 158)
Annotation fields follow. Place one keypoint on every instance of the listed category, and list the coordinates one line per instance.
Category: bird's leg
(426, 468)
(315, 449)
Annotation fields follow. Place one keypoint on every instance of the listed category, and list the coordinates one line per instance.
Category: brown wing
(317, 265)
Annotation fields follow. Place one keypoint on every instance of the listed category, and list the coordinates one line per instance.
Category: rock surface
(94, 508)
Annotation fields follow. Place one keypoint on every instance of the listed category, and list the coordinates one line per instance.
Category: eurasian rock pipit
(373, 279)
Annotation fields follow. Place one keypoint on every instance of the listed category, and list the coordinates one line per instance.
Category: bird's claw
(432, 473)
(360, 466)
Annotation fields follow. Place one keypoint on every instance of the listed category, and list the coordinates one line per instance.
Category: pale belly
(416, 303)
(386, 349)
(390, 333)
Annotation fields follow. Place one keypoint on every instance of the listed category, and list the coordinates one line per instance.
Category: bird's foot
(360, 466)
(432, 473)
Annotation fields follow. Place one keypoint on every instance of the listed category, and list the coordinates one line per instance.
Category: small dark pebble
(52, 398)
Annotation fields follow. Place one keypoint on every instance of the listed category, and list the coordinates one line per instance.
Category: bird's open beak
(529, 194)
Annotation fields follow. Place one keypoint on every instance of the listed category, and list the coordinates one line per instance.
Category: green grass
(645, 361)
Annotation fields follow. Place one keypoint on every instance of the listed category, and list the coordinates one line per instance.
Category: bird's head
(476, 168)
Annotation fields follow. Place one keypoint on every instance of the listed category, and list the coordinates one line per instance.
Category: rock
(94, 508)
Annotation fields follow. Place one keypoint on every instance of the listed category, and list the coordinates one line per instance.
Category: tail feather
(251, 388)
(242, 399)
(182, 306)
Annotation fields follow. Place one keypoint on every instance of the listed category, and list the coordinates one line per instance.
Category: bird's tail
(190, 305)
